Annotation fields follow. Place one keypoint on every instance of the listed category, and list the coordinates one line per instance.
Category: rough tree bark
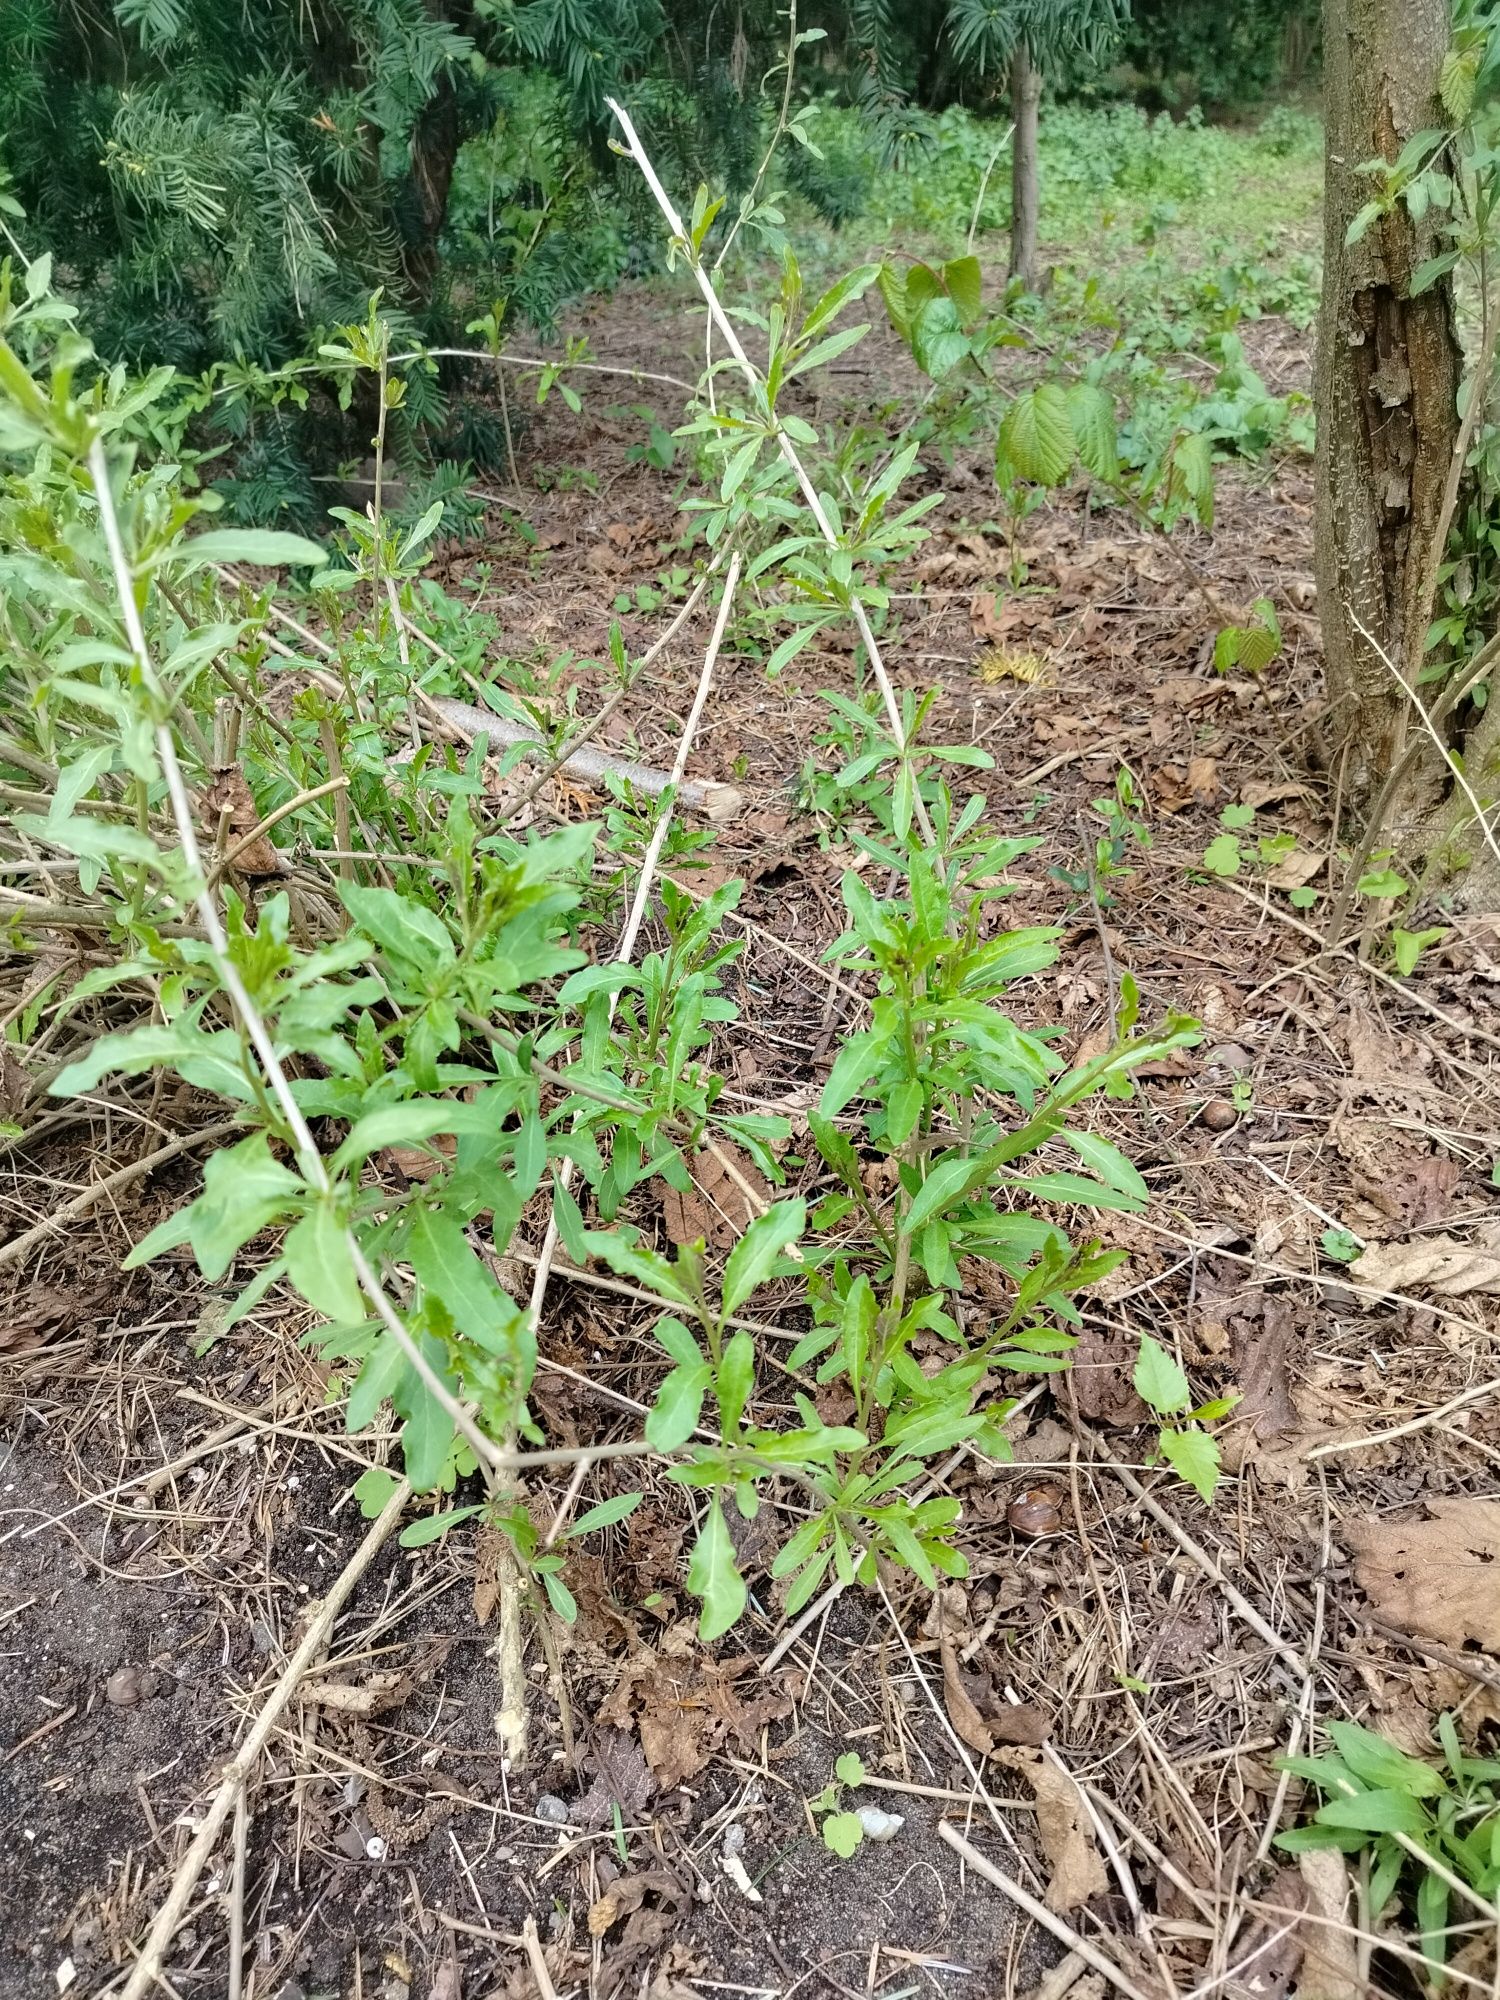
(1388, 372)
(1025, 104)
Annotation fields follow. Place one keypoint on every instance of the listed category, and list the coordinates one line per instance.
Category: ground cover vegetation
(420, 925)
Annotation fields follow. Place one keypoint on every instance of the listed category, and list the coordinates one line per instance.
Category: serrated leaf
(1036, 435)
(1092, 415)
(1193, 475)
(1159, 1379)
(842, 1833)
(1456, 84)
(965, 283)
(1194, 1456)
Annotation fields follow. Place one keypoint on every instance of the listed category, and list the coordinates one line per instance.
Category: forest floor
(167, 1514)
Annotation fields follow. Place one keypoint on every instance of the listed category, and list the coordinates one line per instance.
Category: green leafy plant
(456, 987)
(1431, 1831)
(1191, 1450)
(842, 1831)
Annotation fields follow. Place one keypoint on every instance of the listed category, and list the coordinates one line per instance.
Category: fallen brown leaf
(716, 1207)
(621, 1779)
(1435, 1578)
(1064, 1829)
(1203, 779)
(962, 1710)
(1295, 870)
(685, 1707)
(1437, 1264)
(1330, 1945)
(1270, 1946)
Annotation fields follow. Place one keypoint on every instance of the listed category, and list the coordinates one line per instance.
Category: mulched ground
(167, 1516)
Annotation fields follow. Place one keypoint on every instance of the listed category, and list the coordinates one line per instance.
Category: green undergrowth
(395, 963)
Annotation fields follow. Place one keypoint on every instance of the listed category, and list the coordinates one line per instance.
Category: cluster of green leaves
(465, 997)
(842, 1831)
(1380, 888)
(1447, 1820)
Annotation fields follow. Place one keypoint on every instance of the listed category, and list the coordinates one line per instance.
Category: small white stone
(66, 1973)
(734, 1838)
(734, 1868)
(879, 1826)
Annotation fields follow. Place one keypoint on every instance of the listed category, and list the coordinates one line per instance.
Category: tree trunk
(1386, 391)
(435, 141)
(1025, 101)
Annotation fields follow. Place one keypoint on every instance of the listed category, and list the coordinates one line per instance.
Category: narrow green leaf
(713, 1576)
(755, 1256)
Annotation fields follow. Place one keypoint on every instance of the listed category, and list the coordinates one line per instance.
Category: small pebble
(123, 1688)
(734, 1838)
(879, 1826)
(1219, 1115)
(554, 1810)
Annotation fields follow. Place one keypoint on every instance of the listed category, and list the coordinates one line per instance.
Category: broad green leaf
(209, 1062)
(399, 925)
(754, 1257)
(320, 1266)
(944, 1184)
(938, 340)
(1036, 435)
(1107, 1161)
(374, 1489)
(632, 1260)
(965, 282)
(1193, 1456)
(1380, 1764)
(427, 1434)
(562, 1600)
(842, 1833)
(674, 1414)
(1159, 1379)
(409, 1125)
(244, 1191)
(713, 1576)
(448, 1266)
(849, 1769)
(1092, 415)
(1376, 1812)
(380, 1378)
